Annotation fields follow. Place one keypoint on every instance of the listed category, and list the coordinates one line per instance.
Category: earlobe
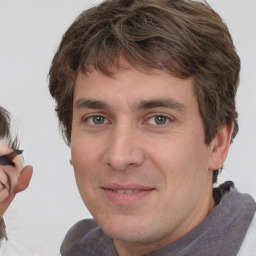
(220, 146)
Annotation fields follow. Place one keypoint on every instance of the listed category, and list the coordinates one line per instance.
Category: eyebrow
(166, 103)
(146, 104)
(88, 103)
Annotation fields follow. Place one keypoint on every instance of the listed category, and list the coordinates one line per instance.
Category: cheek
(180, 161)
(86, 157)
(84, 151)
(87, 167)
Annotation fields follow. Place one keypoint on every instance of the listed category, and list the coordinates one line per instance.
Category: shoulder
(77, 232)
(87, 238)
(248, 247)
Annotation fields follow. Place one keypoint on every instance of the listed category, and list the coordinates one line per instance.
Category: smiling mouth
(123, 191)
(126, 194)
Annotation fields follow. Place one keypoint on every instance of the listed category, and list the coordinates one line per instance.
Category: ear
(219, 147)
(24, 179)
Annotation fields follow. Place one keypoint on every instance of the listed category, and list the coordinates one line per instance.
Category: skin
(19, 178)
(143, 129)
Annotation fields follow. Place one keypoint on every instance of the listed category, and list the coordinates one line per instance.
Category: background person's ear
(23, 182)
(24, 179)
(220, 146)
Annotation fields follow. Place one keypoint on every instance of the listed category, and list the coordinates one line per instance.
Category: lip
(131, 193)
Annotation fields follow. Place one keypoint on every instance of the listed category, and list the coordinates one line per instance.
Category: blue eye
(159, 120)
(97, 120)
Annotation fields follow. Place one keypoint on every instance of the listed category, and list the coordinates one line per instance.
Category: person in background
(14, 178)
(145, 93)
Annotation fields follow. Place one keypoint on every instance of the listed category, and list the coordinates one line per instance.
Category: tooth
(129, 191)
(119, 191)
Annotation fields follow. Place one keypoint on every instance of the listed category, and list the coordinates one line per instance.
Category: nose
(124, 150)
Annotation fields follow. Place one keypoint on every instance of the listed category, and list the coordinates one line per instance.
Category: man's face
(139, 157)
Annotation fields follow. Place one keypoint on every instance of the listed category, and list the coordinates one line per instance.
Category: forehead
(132, 84)
(4, 147)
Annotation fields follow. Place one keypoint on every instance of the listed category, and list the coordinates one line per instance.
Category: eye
(96, 120)
(159, 120)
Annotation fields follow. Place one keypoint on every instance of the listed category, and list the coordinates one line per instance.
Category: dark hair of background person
(5, 129)
(182, 37)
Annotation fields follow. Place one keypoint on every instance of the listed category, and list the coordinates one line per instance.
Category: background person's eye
(7, 159)
(159, 120)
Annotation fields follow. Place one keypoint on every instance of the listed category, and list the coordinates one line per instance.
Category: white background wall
(30, 31)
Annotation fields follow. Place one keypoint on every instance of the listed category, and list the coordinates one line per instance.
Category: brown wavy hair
(182, 37)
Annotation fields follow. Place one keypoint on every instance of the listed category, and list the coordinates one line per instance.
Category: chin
(130, 230)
